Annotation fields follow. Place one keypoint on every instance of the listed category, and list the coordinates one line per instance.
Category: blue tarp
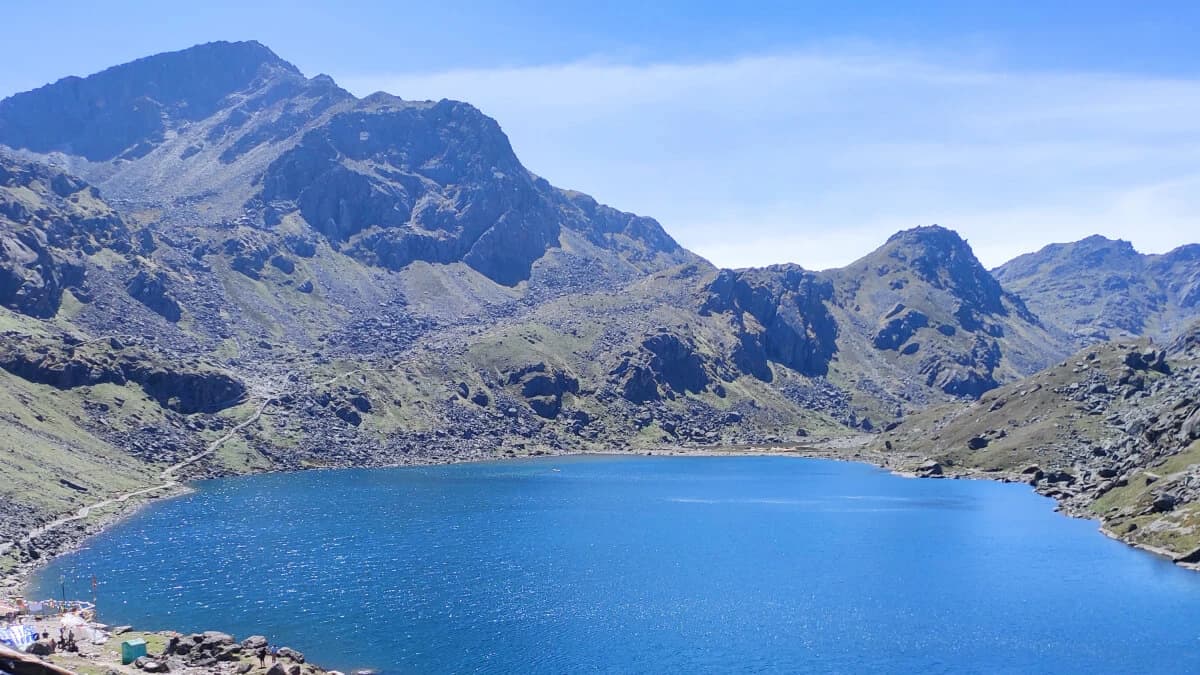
(17, 636)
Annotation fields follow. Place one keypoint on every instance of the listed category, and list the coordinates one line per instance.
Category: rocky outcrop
(665, 365)
(543, 387)
(150, 289)
(49, 222)
(67, 363)
(924, 297)
(968, 374)
(677, 363)
(1113, 433)
(33, 276)
(779, 314)
(348, 404)
(899, 329)
(940, 258)
(429, 195)
(249, 253)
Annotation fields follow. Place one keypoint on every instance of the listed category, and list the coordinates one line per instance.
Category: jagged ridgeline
(192, 235)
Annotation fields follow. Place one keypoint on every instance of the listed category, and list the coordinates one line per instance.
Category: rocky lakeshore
(206, 653)
(216, 652)
(198, 650)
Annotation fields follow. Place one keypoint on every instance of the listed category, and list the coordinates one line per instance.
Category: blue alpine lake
(644, 565)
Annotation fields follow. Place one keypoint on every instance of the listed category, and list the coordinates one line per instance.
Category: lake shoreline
(855, 449)
(845, 448)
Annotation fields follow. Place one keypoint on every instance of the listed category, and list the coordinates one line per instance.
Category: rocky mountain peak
(394, 181)
(943, 259)
(1187, 252)
(126, 110)
(1088, 253)
(1099, 288)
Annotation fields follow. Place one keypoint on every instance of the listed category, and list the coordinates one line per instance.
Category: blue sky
(785, 131)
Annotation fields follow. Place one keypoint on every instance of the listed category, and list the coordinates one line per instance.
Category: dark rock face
(638, 383)
(780, 314)
(283, 264)
(185, 390)
(305, 247)
(126, 110)
(677, 363)
(966, 375)
(899, 330)
(543, 388)
(32, 275)
(150, 289)
(664, 364)
(444, 186)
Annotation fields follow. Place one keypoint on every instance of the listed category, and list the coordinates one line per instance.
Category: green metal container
(131, 649)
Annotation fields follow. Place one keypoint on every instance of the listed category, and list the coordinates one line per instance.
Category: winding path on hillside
(167, 475)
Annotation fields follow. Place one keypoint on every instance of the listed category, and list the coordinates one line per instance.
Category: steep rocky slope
(1100, 289)
(1113, 433)
(206, 238)
(48, 222)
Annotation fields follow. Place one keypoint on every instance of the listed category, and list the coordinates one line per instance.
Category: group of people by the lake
(65, 642)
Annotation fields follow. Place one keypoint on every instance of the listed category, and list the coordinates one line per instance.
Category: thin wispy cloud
(815, 157)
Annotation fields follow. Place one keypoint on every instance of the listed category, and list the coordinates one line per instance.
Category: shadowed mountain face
(1099, 289)
(399, 287)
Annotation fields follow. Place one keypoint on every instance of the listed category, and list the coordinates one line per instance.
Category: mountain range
(207, 241)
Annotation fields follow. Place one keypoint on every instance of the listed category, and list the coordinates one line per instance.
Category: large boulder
(292, 654)
(150, 289)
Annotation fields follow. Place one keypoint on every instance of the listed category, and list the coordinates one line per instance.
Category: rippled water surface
(648, 564)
